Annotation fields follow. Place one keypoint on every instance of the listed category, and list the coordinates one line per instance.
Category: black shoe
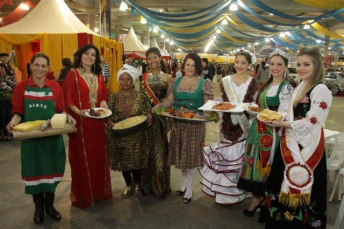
(38, 199)
(49, 206)
(179, 192)
(251, 213)
(187, 200)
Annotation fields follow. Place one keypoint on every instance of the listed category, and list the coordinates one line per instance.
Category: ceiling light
(167, 39)
(171, 43)
(218, 31)
(224, 22)
(329, 48)
(24, 6)
(306, 26)
(179, 50)
(123, 6)
(310, 21)
(96, 30)
(318, 41)
(233, 7)
(214, 38)
(161, 10)
(162, 36)
(282, 34)
(267, 39)
(143, 20)
(271, 14)
(256, 43)
(155, 29)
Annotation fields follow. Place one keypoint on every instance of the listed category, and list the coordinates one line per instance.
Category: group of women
(251, 157)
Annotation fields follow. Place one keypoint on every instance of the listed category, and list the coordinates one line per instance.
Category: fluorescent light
(123, 6)
(24, 6)
(233, 7)
(143, 20)
(224, 22)
(306, 26)
(218, 31)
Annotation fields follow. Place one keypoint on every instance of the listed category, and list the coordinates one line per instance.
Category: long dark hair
(77, 58)
(155, 50)
(198, 62)
(245, 54)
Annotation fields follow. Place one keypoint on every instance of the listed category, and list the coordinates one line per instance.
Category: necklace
(92, 84)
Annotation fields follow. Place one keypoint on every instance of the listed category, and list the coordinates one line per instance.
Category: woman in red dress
(85, 88)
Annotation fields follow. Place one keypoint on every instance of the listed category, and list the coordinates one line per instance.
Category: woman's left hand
(103, 104)
(278, 124)
(71, 120)
(149, 119)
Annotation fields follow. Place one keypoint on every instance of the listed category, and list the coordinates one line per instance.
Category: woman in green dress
(128, 153)
(42, 159)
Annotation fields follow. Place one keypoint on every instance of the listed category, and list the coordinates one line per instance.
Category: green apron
(42, 159)
(191, 101)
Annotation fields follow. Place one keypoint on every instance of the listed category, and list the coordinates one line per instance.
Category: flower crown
(279, 52)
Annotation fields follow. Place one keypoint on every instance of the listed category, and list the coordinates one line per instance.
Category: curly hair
(77, 58)
(198, 62)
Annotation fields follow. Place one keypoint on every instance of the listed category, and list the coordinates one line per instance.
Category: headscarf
(133, 72)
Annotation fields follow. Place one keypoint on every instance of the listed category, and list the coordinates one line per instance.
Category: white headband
(133, 72)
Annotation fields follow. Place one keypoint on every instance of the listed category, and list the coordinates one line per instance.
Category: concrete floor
(136, 212)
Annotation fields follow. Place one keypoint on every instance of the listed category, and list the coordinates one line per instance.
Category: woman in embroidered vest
(187, 138)
(128, 153)
(155, 179)
(223, 160)
(84, 88)
(296, 187)
(43, 159)
(274, 95)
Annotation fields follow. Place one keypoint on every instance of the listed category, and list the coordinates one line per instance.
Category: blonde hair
(318, 72)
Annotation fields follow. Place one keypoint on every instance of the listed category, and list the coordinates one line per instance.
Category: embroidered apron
(42, 159)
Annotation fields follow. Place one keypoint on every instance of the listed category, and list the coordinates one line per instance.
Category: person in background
(255, 71)
(178, 72)
(42, 159)
(4, 59)
(105, 69)
(128, 153)
(207, 73)
(67, 66)
(263, 73)
(84, 88)
(187, 138)
(7, 84)
(274, 95)
(218, 72)
(131, 61)
(299, 201)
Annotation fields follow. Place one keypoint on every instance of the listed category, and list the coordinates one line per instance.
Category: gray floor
(136, 212)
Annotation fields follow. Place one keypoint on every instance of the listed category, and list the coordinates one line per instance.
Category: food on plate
(269, 115)
(255, 109)
(27, 126)
(188, 114)
(98, 112)
(129, 122)
(58, 121)
(223, 106)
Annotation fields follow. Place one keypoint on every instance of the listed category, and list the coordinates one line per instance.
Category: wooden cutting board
(19, 135)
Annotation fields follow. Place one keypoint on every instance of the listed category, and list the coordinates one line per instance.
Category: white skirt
(220, 172)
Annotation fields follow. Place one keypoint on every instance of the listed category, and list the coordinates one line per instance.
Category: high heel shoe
(137, 190)
(251, 213)
(127, 192)
(179, 192)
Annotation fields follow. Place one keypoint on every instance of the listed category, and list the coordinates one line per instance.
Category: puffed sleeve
(208, 90)
(305, 129)
(285, 97)
(170, 88)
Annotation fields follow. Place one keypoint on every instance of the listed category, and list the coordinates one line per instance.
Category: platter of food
(130, 125)
(223, 107)
(186, 115)
(98, 113)
(270, 116)
(253, 109)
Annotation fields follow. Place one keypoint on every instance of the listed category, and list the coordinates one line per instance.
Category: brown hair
(40, 54)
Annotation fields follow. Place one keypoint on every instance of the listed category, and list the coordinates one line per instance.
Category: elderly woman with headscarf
(128, 153)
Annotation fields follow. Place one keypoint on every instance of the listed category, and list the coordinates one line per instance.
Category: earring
(149, 69)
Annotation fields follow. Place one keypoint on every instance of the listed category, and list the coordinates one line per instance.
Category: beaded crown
(279, 52)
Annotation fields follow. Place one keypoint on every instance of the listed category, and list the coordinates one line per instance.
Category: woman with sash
(42, 159)
(85, 88)
(296, 193)
(223, 160)
(273, 95)
(187, 138)
(155, 179)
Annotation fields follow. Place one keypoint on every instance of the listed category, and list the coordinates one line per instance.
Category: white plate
(254, 113)
(109, 112)
(270, 121)
(239, 107)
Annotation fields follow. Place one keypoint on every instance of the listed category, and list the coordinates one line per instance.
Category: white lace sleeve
(285, 97)
(305, 128)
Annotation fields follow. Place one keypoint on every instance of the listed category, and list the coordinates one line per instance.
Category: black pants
(127, 176)
(5, 113)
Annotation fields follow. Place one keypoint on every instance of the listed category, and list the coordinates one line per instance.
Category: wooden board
(19, 135)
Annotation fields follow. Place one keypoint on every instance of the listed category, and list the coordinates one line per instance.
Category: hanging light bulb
(218, 31)
(233, 7)
(24, 6)
(123, 6)
(143, 20)
(224, 22)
